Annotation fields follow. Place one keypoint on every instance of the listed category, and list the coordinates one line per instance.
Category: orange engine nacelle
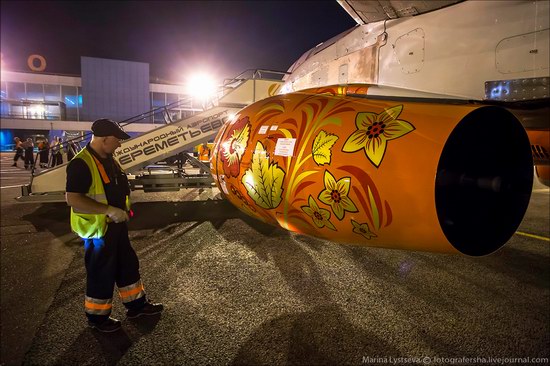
(540, 141)
(392, 174)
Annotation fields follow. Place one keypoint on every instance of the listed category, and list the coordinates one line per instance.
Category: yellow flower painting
(374, 131)
(335, 195)
(362, 229)
(320, 216)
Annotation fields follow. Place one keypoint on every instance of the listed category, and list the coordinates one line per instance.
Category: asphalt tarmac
(237, 291)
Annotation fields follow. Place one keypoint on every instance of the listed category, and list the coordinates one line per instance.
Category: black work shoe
(147, 309)
(108, 326)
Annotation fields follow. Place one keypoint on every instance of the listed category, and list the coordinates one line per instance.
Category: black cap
(105, 127)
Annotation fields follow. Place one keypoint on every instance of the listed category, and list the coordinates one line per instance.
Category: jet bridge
(167, 140)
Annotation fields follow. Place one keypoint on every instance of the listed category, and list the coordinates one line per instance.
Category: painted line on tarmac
(543, 238)
(19, 185)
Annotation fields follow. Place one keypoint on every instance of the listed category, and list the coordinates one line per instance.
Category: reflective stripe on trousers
(132, 292)
(98, 306)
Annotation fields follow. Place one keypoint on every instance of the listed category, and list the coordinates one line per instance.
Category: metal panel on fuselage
(461, 43)
(451, 51)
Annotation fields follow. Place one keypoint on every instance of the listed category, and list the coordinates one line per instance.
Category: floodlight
(202, 86)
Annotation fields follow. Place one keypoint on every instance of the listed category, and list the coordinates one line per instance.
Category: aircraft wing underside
(368, 11)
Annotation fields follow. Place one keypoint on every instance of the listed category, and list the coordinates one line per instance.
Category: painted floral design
(244, 201)
(320, 216)
(264, 180)
(375, 130)
(233, 148)
(310, 191)
(322, 147)
(362, 229)
(335, 195)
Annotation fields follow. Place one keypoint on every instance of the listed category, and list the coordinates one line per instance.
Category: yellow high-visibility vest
(88, 225)
(204, 153)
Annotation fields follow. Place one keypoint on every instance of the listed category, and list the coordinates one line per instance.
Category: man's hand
(116, 214)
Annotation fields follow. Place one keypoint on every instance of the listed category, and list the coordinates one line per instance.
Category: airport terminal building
(37, 103)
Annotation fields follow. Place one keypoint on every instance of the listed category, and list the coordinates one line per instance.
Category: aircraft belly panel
(525, 52)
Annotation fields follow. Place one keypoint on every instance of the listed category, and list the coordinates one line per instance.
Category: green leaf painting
(264, 180)
(321, 147)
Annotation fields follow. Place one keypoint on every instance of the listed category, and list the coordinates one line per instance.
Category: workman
(204, 155)
(19, 151)
(98, 193)
(28, 146)
(43, 152)
(57, 151)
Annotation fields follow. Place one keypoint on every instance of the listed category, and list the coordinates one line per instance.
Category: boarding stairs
(174, 137)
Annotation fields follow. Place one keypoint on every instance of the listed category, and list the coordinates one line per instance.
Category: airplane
(406, 131)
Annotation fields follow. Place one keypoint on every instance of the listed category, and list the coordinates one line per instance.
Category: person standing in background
(61, 152)
(57, 157)
(72, 150)
(204, 155)
(18, 151)
(53, 149)
(43, 151)
(28, 146)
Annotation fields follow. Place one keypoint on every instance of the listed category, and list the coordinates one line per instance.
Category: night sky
(174, 37)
